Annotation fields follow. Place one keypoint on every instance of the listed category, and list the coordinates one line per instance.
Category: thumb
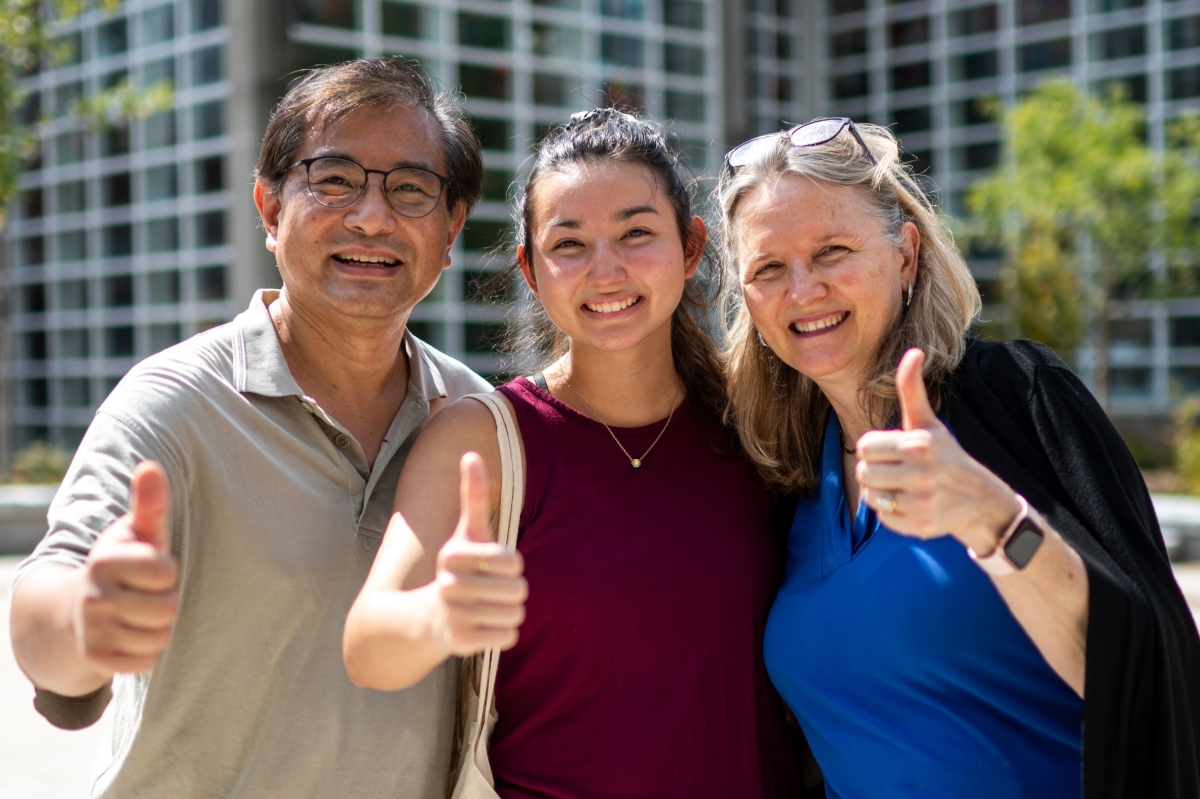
(915, 411)
(474, 500)
(149, 504)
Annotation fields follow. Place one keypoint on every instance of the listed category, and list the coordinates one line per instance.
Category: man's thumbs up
(149, 506)
(915, 411)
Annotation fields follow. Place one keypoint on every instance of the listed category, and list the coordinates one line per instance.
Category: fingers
(474, 500)
(134, 566)
(149, 505)
(490, 560)
(915, 411)
(894, 445)
(884, 476)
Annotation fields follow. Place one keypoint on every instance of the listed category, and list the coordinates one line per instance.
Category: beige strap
(512, 497)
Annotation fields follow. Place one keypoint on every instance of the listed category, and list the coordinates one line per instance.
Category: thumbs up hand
(480, 592)
(921, 482)
(125, 609)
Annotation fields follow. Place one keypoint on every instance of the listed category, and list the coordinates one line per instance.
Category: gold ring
(886, 501)
(483, 565)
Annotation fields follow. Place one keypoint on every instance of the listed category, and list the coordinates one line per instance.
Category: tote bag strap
(512, 497)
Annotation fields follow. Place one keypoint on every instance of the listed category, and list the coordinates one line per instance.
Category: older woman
(952, 585)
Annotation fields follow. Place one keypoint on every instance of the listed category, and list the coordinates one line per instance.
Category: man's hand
(125, 608)
(479, 590)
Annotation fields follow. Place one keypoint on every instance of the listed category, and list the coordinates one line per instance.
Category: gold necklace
(634, 462)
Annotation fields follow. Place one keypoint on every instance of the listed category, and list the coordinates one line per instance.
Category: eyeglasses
(338, 182)
(810, 134)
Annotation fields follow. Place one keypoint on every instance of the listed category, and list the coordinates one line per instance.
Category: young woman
(936, 635)
(646, 541)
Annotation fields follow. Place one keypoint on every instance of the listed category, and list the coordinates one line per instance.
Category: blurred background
(1059, 137)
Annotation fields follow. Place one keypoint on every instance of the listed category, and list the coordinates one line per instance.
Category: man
(263, 455)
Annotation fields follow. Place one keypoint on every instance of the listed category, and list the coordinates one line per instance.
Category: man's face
(364, 260)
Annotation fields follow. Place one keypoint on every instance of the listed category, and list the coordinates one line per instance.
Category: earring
(908, 301)
(762, 341)
(271, 242)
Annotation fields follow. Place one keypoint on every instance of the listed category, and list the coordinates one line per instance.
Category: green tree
(1081, 207)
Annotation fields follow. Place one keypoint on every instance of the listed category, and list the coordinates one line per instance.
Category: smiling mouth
(365, 260)
(612, 307)
(820, 324)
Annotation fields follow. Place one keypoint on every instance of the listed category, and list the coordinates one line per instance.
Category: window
(114, 140)
(118, 291)
(431, 333)
(118, 342)
(1130, 87)
(158, 25)
(116, 189)
(1119, 43)
(623, 9)
(908, 32)
(73, 295)
(683, 14)
(210, 284)
(72, 245)
(628, 97)
(980, 156)
(32, 203)
(112, 37)
(162, 235)
(480, 82)
(403, 19)
(66, 95)
(1183, 83)
(30, 110)
(206, 66)
(330, 13)
(685, 106)
(482, 30)
(34, 345)
(33, 251)
(164, 335)
(68, 148)
(71, 197)
(550, 89)
(159, 130)
(848, 43)
(118, 241)
(484, 337)
(161, 182)
(970, 21)
(1182, 34)
(837, 7)
(1129, 382)
(1117, 5)
(37, 392)
(913, 120)
(478, 287)
(68, 49)
(163, 288)
(210, 229)
(496, 183)
(33, 298)
(683, 59)
(76, 392)
(482, 235)
(210, 175)
(976, 66)
(206, 14)
(1185, 331)
(74, 343)
(856, 84)
(494, 134)
(159, 71)
(1051, 54)
(209, 119)
(622, 50)
(556, 41)
(911, 76)
(1035, 12)
(976, 111)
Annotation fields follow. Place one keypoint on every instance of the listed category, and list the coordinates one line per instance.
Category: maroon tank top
(639, 669)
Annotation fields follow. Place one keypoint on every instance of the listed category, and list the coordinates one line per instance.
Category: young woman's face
(823, 280)
(608, 261)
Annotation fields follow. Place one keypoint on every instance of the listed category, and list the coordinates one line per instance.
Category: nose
(804, 285)
(607, 268)
(371, 214)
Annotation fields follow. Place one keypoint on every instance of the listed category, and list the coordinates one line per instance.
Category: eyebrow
(619, 216)
(395, 165)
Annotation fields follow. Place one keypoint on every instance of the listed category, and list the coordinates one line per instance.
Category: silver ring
(886, 501)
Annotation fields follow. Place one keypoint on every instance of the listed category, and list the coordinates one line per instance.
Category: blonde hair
(779, 413)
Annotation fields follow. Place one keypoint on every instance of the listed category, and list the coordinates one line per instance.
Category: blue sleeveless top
(906, 670)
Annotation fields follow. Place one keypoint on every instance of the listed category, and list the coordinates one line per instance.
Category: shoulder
(449, 374)
(1014, 370)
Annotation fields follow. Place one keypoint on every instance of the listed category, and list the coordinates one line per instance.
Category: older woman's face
(823, 280)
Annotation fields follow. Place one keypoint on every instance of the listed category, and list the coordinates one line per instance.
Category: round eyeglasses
(337, 182)
(810, 134)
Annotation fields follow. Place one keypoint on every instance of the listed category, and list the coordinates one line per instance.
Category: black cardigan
(1021, 412)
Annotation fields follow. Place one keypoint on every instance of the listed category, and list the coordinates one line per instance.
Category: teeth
(610, 307)
(819, 325)
(368, 259)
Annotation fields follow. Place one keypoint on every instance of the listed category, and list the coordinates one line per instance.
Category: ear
(693, 248)
(458, 218)
(910, 250)
(269, 208)
(526, 269)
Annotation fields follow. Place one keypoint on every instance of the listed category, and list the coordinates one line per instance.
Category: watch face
(1023, 543)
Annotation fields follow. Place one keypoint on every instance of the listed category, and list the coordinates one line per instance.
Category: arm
(938, 488)
(440, 585)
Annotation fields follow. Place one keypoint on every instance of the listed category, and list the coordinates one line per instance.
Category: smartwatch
(1018, 543)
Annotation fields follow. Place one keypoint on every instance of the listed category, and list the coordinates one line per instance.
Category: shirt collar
(260, 367)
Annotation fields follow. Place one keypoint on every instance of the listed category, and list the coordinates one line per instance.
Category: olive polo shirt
(275, 520)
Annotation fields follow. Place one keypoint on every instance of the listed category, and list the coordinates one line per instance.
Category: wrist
(996, 513)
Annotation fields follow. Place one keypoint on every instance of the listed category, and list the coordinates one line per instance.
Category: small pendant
(637, 463)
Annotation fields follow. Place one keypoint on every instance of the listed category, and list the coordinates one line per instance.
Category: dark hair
(609, 135)
(327, 94)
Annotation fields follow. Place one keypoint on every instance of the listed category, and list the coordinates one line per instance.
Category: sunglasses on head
(810, 134)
